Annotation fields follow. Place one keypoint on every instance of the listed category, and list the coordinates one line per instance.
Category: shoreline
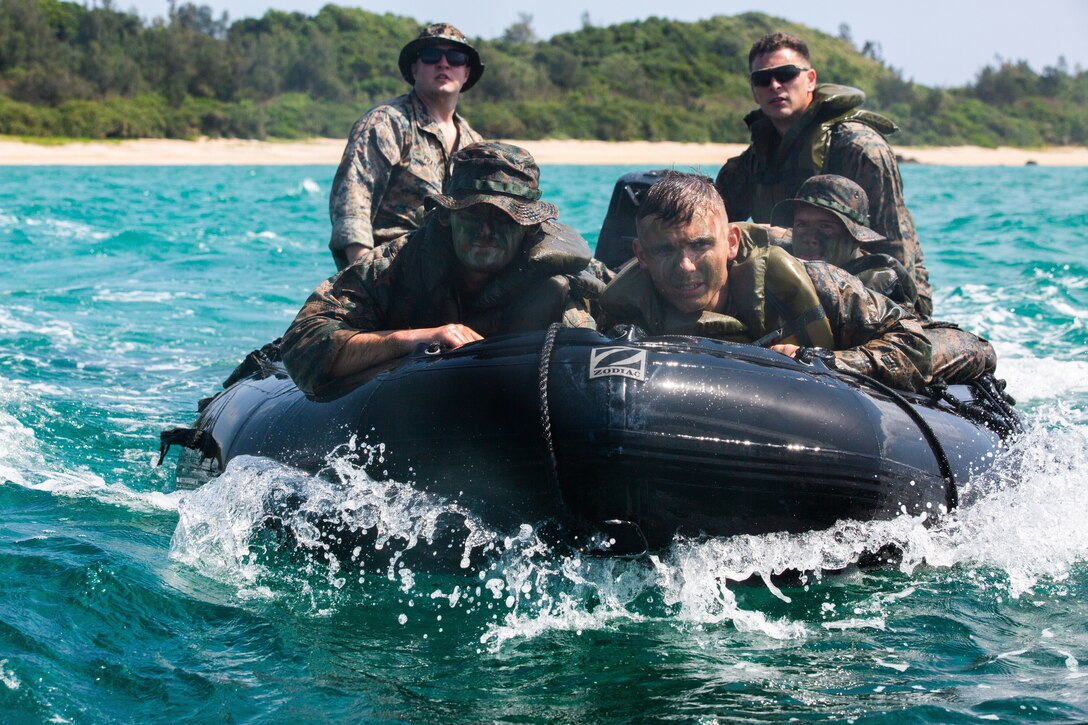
(238, 152)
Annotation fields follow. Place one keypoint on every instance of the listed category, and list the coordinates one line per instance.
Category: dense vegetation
(66, 70)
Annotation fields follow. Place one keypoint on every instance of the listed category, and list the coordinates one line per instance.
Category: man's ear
(636, 247)
(733, 239)
(810, 74)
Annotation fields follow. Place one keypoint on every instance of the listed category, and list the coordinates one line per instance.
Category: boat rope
(545, 412)
(999, 415)
(951, 494)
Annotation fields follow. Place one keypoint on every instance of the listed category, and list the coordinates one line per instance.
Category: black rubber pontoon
(640, 438)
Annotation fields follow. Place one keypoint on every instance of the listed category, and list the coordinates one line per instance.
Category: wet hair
(778, 41)
(677, 197)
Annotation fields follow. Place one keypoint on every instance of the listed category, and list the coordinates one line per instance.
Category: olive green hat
(836, 194)
(499, 174)
(440, 34)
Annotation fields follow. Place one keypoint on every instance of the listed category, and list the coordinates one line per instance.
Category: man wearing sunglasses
(803, 128)
(490, 258)
(400, 150)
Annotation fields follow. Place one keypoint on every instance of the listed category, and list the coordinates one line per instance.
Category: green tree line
(72, 71)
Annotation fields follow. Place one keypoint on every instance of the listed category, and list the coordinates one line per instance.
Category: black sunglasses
(430, 56)
(781, 73)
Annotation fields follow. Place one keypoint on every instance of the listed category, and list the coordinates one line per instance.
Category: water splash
(1020, 528)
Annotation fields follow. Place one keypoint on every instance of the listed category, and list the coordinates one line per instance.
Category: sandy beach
(234, 152)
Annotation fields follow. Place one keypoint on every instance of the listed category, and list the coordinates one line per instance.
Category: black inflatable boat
(625, 438)
(640, 439)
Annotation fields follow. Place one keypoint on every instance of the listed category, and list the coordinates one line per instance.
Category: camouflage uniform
(958, 356)
(415, 282)
(395, 156)
(834, 136)
(872, 335)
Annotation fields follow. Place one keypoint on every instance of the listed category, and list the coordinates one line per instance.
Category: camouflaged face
(440, 34)
(414, 283)
(836, 194)
(499, 174)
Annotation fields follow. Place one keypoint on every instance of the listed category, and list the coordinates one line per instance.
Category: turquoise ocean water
(129, 293)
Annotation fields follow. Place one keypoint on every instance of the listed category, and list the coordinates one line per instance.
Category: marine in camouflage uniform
(767, 295)
(829, 223)
(423, 283)
(831, 135)
(396, 155)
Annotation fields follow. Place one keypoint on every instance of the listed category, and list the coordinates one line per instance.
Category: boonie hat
(440, 34)
(836, 194)
(499, 174)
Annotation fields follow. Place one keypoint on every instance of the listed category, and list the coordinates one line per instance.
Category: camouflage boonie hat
(499, 174)
(440, 34)
(836, 194)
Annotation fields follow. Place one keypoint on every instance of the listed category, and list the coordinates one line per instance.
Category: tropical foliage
(67, 70)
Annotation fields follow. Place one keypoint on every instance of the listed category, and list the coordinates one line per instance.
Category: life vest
(782, 163)
(885, 274)
(769, 294)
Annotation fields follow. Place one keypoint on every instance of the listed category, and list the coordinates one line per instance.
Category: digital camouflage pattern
(958, 356)
(395, 157)
(873, 335)
(499, 174)
(853, 149)
(413, 283)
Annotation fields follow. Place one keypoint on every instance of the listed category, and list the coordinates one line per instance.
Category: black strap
(191, 438)
(999, 416)
(951, 494)
(259, 362)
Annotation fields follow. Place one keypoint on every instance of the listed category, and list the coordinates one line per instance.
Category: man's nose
(687, 264)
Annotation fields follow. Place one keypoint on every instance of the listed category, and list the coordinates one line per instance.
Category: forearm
(365, 350)
(899, 356)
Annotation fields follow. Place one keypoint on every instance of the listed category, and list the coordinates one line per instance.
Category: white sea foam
(1033, 380)
(64, 229)
(8, 677)
(1021, 526)
(23, 462)
(131, 296)
(20, 320)
(219, 521)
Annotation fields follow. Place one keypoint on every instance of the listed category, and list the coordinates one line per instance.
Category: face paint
(485, 238)
(688, 263)
(820, 235)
